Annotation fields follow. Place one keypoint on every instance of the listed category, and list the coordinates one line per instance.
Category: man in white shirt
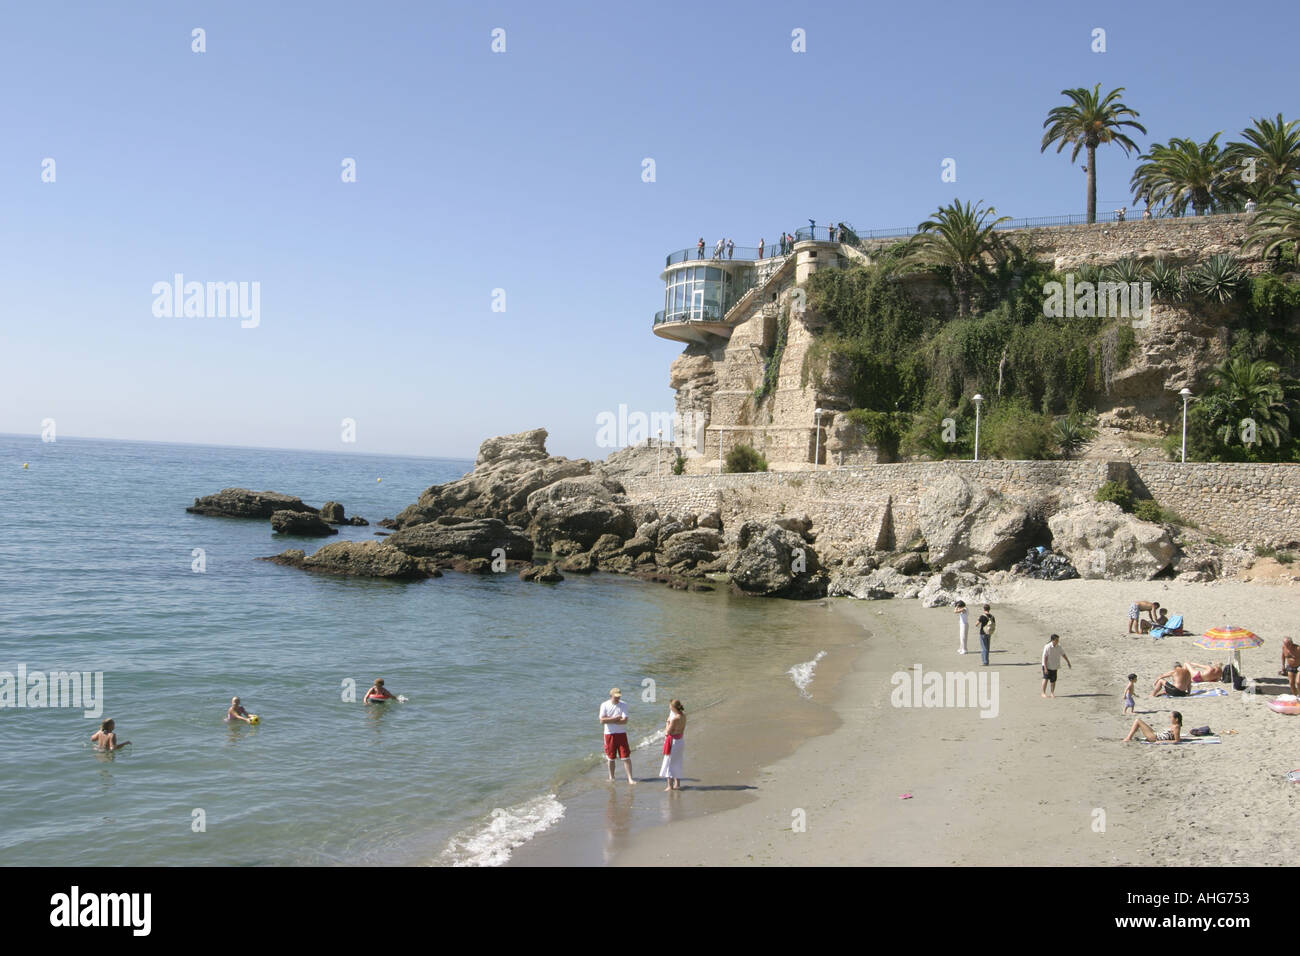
(613, 714)
(1052, 655)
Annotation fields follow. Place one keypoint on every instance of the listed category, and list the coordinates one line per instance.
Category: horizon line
(318, 451)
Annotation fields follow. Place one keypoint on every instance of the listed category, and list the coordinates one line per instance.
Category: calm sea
(98, 574)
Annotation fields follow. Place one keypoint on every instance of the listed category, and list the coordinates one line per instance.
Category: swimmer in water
(378, 693)
(237, 711)
(105, 739)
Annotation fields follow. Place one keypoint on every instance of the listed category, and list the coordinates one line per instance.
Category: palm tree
(1245, 389)
(1274, 225)
(1271, 154)
(1185, 173)
(1087, 123)
(958, 237)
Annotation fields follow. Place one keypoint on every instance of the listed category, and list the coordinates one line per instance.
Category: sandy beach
(1037, 781)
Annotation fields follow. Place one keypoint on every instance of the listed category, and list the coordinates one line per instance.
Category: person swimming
(105, 739)
(378, 693)
(237, 712)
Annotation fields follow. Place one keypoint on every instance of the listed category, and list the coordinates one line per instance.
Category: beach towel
(674, 756)
(1207, 692)
(1185, 740)
(1174, 626)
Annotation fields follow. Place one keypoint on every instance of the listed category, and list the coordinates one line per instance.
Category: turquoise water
(504, 677)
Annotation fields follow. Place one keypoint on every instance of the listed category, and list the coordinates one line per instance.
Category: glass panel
(713, 274)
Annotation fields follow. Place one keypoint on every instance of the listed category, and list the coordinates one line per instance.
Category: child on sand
(1128, 694)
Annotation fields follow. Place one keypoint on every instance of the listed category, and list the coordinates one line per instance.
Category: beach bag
(1201, 731)
(1229, 673)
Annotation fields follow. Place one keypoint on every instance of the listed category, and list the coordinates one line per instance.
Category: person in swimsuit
(1128, 693)
(237, 711)
(1291, 664)
(1206, 673)
(378, 693)
(1171, 736)
(1135, 613)
(1174, 683)
(1162, 620)
(674, 746)
(106, 739)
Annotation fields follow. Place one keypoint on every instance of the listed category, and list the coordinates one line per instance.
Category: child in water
(1128, 694)
(237, 712)
(105, 739)
(378, 693)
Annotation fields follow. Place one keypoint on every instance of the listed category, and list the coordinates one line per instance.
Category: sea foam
(802, 674)
(491, 843)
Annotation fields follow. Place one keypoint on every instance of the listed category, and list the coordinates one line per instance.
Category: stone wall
(876, 504)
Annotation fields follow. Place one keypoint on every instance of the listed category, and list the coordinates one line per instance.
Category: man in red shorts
(613, 714)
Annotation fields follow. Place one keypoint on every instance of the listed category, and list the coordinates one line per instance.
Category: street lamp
(978, 400)
(659, 453)
(1187, 397)
(817, 432)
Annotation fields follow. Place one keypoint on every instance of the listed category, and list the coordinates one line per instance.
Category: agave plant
(1125, 270)
(1071, 433)
(1166, 281)
(1219, 279)
(1088, 272)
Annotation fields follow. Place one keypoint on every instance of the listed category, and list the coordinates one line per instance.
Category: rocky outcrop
(775, 562)
(569, 515)
(508, 469)
(451, 536)
(960, 521)
(953, 584)
(303, 523)
(548, 573)
(1101, 541)
(332, 513)
(875, 585)
(370, 559)
(242, 503)
(640, 460)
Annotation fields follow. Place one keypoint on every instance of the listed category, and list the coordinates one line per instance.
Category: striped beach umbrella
(1229, 639)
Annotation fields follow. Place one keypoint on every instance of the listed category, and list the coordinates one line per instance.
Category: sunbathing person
(1174, 683)
(1171, 736)
(1206, 673)
(1161, 621)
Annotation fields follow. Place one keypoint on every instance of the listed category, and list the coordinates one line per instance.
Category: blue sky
(518, 171)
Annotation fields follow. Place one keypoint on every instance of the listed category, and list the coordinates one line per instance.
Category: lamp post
(817, 433)
(1187, 396)
(978, 400)
(659, 453)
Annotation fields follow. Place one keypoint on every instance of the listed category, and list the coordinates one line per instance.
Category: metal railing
(706, 314)
(855, 236)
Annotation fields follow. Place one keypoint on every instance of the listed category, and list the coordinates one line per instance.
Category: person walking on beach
(613, 714)
(987, 625)
(1291, 663)
(1129, 688)
(674, 746)
(1052, 656)
(105, 739)
(1135, 613)
(960, 610)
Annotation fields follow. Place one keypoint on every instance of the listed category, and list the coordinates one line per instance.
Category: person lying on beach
(106, 739)
(378, 693)
(1129, 688)
(237, 711)
(1291, 663)
(1206, 673)
(1162, 620)
(1135, 613)
(1174, 683)
(1171, 736)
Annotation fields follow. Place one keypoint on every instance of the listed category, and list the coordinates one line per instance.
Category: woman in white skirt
(674, 746)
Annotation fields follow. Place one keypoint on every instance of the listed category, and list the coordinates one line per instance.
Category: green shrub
(743, 458)
(1071, 433)
(1285, 557)
(679, 466)
(882, 430)
(1118, 492)
(926, 435)
(1148, 510)
(1014, 431)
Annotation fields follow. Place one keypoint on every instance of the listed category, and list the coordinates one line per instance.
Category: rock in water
(242, 503)
(960, 520)
(541, 572)
(579, 510)
(300, 523)
(776, 562)
(370, 559)
(455, 537)
(1104, 542)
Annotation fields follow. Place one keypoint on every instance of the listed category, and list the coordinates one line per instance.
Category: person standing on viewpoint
(674, 746)
(1052, 654)
(987, 625)
(960, 610)
(613, 714)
